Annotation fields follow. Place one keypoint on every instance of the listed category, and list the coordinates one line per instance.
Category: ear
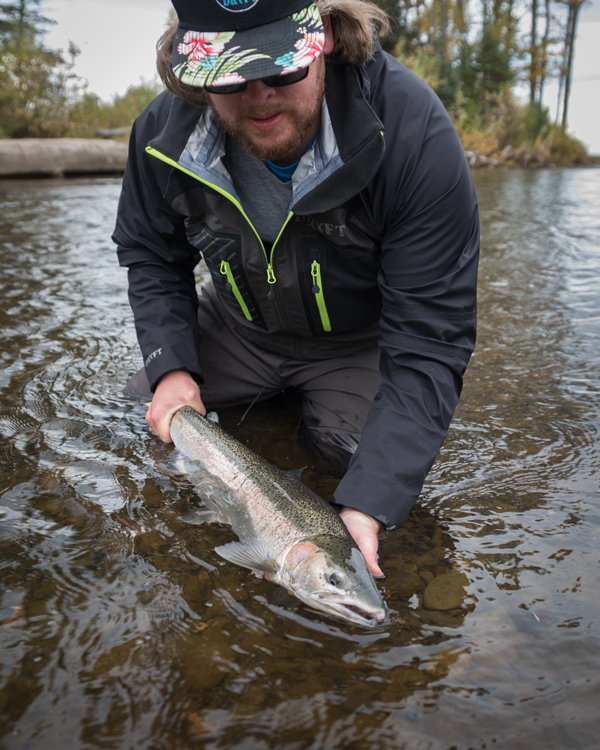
(329, 41)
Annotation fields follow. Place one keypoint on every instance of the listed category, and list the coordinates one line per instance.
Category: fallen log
(56, 157)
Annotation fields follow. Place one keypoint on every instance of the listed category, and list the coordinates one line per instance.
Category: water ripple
(120, 627)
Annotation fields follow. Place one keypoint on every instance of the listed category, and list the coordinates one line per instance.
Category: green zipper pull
(271, 279)
(231, 286)
(314, 272)
(224, 269)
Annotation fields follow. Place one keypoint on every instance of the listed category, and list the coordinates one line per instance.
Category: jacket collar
(342, 162)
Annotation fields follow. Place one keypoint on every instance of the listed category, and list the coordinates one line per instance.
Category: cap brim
(211, 58)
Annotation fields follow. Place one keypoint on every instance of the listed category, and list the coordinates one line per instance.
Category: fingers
(175, 389)
(363, 529)
(368, 546)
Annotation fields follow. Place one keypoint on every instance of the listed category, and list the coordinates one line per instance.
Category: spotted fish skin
(286, 531)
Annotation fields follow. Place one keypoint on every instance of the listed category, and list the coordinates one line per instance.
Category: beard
(258, 145)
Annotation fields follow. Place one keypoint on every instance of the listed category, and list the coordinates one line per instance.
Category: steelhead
(285, 530)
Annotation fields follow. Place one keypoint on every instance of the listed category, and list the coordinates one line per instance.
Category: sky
(117, 39)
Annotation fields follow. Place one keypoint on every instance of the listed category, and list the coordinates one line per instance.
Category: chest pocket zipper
(317, 289)
(225, 269)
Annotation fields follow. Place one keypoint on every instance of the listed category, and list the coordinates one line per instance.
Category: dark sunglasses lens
(232, 88)
(273, 81)
(287, 79)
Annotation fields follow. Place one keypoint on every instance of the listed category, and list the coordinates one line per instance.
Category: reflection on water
(121, 628)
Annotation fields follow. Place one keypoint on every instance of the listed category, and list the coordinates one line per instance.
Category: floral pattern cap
(217, 58)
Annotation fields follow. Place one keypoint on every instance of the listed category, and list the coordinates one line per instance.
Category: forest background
(472, 52)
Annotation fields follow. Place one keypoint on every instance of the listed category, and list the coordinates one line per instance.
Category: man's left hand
(363, 529)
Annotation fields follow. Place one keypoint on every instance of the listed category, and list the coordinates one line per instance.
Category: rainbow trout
(285, 530)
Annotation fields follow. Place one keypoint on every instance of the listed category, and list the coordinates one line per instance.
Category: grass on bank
(518, 134)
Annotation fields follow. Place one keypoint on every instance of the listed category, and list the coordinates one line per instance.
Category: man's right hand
(175, 389)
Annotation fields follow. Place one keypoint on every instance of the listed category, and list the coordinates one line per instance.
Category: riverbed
(120, 626)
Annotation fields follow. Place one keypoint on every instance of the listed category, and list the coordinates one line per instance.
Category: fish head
(330, 574)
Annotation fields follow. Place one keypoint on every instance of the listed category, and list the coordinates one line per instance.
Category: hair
(354, 41)
(352, 25)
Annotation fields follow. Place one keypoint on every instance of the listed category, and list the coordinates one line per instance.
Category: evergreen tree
(37, 84)
(20, 18)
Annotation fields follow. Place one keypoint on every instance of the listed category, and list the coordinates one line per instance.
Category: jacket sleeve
(427, 280)
(152, 244)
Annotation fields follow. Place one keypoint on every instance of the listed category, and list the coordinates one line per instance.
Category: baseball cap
(223, 42)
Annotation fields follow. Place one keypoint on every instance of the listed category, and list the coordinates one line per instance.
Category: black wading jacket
(381, 243)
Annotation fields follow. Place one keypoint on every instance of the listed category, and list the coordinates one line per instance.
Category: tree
(544, 58)
(404, 28)
(37, 84)
(21, 17)
(533, 50)
(37, 87)
(574, 7)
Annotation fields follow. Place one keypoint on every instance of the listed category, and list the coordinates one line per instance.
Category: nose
(257, 92)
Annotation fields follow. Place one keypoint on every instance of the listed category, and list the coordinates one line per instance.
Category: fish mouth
(349, 610)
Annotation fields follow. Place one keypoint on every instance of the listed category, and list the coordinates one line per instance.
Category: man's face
(274, 124)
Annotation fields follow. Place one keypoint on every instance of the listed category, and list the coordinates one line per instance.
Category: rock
(445, 592)
(426, 575)
(403, 583)
(56, 157)
(401, 676)
(431, 558)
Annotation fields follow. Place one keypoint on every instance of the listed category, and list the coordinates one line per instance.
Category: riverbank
(59, 157)
(525, 159)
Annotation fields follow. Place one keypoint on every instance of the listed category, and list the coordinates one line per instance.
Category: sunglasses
(273, 81)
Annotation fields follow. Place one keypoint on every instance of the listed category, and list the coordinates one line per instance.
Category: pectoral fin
(252, 554)
(199, 516)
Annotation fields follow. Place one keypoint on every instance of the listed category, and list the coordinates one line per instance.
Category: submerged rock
(445, 592)
(404, 583)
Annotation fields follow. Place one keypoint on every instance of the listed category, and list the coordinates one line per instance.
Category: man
(327, 190)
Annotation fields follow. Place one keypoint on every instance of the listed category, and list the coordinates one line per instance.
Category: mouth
(351, 611)
(269, 122)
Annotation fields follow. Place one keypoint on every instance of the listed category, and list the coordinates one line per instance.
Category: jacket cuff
(165, 359)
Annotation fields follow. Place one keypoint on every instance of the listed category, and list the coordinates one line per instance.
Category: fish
(287, 533)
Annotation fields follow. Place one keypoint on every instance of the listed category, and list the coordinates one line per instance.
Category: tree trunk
(544, 60)
(21, 16)
(574, 7)
(533, 72)
(563, 66)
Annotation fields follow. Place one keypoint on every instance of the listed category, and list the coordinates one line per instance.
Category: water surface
(121, 628)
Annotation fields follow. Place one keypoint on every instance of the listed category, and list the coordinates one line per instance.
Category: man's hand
(174, 390)
(363, 529)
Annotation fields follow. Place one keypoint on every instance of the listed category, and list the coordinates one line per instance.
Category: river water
(121, 628)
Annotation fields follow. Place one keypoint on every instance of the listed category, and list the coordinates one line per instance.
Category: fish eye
(335, 579)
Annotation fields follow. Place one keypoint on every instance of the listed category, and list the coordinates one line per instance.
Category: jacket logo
(322, 226)
(150, 357)
(237, 6)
